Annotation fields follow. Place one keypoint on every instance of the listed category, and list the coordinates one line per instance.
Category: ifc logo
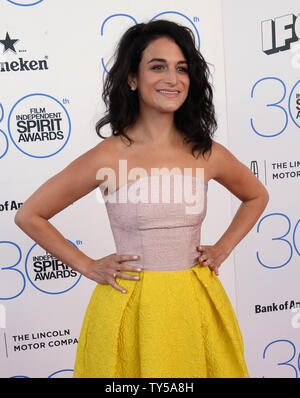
(39, 125)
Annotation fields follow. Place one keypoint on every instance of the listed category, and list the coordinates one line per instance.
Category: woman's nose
(171, 76)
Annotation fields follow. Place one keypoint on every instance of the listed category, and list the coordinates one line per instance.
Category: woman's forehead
(163, 48)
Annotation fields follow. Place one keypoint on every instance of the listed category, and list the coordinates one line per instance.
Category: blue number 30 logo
(111, 17)
(25, 3)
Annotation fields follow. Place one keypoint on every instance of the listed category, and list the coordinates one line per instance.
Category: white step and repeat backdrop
(52, 59)
(262, 63)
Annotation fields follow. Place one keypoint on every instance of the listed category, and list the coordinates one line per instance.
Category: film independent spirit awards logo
(39, 125)
(49, 274)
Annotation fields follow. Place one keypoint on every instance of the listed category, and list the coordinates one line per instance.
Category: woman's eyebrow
(164, 60)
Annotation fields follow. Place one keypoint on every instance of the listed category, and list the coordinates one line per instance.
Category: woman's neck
(155, 128)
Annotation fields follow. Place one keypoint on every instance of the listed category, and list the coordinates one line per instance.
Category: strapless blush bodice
(159, 218)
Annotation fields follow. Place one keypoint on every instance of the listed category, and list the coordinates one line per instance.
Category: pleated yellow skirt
(177, 324)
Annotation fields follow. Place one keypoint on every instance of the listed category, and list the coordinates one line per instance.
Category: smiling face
(163, 80)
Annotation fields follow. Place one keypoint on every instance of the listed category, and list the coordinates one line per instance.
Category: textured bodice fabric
(159, 218)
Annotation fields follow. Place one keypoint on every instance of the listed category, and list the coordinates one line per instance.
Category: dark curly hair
(195, 119)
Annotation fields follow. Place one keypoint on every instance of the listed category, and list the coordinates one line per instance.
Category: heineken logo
(20, 64)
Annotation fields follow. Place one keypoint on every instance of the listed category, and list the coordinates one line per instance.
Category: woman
(174, 318)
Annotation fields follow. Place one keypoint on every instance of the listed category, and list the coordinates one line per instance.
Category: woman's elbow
(22, 218)
(264, 197)
(18, 219)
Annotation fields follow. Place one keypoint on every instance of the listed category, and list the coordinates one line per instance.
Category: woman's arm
(241, 182)
(60, 191)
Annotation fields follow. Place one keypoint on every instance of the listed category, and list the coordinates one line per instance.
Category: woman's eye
(160, 67)
(183, 69)
(157, 67)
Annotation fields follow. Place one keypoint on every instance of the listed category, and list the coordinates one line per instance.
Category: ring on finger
(115, 274)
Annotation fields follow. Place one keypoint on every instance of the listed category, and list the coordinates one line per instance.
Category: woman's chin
(168, 109)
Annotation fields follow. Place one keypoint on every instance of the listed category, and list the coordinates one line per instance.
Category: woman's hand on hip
(212, 256)
(106, 269)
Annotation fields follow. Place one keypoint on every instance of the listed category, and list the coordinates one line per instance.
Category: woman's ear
(132, 82)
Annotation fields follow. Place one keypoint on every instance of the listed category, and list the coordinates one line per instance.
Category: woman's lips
(169, 93)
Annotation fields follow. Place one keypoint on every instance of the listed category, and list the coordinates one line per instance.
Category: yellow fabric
(169, 324)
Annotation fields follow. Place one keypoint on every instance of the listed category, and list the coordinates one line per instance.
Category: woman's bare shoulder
(218, 149)
(221, 160)
(107, 144)
(105, 152)
(88, 165)
(219, 152)
(73, 182)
